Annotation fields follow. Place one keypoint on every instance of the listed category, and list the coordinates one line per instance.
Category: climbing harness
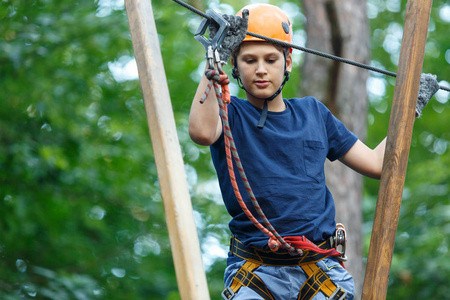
(317, 279)
(304, 49)
(312, 254)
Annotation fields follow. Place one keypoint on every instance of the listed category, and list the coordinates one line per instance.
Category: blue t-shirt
(284, 163)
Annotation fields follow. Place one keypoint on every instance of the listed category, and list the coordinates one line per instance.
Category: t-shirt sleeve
(340, 139)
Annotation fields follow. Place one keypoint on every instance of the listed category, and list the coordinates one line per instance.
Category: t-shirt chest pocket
(315, 154)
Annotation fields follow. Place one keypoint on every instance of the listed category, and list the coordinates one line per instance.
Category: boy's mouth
(262, 83)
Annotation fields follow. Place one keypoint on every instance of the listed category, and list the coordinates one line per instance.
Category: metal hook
(212, 45)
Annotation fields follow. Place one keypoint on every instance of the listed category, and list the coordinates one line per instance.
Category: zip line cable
(307, 50)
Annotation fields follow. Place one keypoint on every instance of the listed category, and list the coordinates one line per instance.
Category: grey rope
(307, 50)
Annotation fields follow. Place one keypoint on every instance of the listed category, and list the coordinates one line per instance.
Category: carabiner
(212, 45)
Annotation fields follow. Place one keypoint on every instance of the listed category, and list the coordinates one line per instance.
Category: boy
(282, 145)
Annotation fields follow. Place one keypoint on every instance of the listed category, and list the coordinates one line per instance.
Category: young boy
(282, 145)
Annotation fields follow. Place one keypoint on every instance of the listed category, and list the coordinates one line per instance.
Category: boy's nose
(261, 68)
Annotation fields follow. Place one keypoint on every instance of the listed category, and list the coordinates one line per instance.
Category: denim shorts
(285, 282)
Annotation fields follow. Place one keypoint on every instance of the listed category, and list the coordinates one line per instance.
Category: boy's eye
(249, 61)
(271, 60)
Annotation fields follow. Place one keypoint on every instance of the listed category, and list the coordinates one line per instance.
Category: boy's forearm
(380, 150)
(364, 160)
(204, 117)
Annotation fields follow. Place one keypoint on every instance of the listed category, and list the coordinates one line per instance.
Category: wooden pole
(166, 148)
(397, 149)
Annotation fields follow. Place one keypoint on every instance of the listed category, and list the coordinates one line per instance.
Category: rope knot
(273, 244)
(220, 77)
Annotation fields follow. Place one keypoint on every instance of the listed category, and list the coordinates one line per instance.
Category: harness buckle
(340, 239)
(335, 294)
(227, 294)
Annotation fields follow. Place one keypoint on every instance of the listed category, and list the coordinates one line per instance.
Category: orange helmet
(267, 20)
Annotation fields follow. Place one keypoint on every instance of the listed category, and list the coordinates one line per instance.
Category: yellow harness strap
(317, 281)
(246, 277)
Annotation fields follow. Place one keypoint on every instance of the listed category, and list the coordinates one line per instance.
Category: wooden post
(166, 148)
(397, 149)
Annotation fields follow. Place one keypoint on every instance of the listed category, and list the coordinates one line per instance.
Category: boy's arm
(370, 162)
(364, 160)
(205, 125)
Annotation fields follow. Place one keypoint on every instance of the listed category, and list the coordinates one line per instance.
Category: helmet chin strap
(262, 119)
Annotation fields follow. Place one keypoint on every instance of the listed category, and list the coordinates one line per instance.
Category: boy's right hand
(427, 88)
(235, 35)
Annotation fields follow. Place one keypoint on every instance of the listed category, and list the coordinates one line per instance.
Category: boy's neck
(276, 104)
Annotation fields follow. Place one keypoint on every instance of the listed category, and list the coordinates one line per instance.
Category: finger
(245, 15)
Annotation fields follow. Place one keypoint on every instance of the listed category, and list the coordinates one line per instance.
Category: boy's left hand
(235, 35)
(427, 88)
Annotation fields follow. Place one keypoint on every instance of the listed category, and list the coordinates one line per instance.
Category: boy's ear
(289, 63)
(235, 73)
(233, 60)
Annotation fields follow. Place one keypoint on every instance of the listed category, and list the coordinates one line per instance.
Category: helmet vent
(285, 27)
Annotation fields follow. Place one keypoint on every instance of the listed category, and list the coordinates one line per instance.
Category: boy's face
(261, 68)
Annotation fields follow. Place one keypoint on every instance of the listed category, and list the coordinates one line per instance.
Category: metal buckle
(336, 291)
(340, 239)
(230, 294)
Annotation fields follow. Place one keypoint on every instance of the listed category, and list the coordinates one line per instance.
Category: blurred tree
(341, 28)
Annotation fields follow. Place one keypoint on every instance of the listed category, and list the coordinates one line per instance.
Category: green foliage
(81, 216)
